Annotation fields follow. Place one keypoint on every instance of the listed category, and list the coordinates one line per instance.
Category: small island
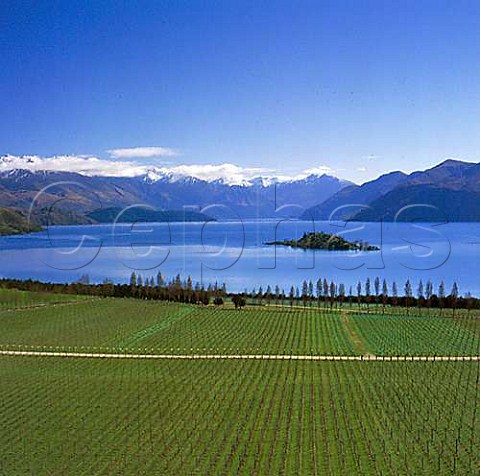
(325, 241)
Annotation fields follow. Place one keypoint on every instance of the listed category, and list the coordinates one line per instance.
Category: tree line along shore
(323, 293)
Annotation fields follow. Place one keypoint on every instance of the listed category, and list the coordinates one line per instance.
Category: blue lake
(234, 252)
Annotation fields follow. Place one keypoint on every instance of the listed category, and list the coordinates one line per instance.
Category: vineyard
(128, 325)
(11, 299)
(80, 416)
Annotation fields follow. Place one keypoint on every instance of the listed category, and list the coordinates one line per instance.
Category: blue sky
(360, 87)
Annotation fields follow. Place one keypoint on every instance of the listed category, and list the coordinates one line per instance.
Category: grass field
(168, 417)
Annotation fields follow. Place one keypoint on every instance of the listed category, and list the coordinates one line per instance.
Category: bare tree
(333, 293)
(291, 296)
(420, 296)
(384, 294)
(408, 293)
(269, 295)
(305, 293)
(441, 295)
(376, 286)
(341, 293)
(454, 297)
(310, 292)
(368, 292)
(319, 291)
(277, 294)
(325, 290)
(359, 293)
(394, 293)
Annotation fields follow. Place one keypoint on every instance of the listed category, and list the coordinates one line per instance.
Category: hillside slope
(13, 222)
(424, 203)
(450, 191)
(73, 196)
(345, 203)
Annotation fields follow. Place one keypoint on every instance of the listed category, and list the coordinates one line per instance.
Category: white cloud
(142, 152)
(81, 164)
(93, 166)
(320, 170)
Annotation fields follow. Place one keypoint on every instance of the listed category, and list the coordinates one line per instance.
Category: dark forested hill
(449, 191)
(423, 203)
(345, 203)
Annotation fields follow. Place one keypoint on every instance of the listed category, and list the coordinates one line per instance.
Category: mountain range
(449, 191)
(70, 198)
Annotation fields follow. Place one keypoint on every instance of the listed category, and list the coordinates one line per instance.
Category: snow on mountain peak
(224, 174)
(152, 176)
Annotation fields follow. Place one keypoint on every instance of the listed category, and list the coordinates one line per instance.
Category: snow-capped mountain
(225, 173)
(163, 188)
(157, 174)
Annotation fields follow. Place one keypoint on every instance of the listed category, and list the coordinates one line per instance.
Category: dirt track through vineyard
(367, 358)
(357, 341)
